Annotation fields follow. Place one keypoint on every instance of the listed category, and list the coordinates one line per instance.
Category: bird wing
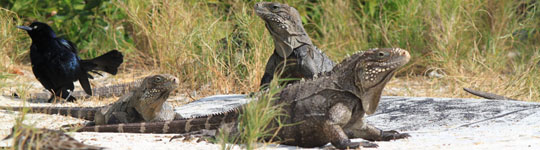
(67, 44)
(82, 75)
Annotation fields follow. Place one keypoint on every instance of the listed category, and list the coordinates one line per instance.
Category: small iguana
(329, 108)
(145, 103)
(291, 42)
(26, 137)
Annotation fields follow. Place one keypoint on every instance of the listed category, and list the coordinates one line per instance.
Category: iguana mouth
(164, 95)
(386, 78)
(400, 58)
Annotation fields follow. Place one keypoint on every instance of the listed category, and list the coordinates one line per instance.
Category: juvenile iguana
(145, 103)
(26, 137)
(329, 108)
(291, 42)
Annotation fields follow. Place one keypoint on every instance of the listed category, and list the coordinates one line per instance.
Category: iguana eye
(382, 54)
(158, 79)
(274, 7)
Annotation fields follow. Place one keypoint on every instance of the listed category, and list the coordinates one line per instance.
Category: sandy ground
(499, 134)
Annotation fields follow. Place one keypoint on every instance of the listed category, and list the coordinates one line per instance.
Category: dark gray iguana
(26, 137)
(304, 60)
(145, 103)
(329, 108)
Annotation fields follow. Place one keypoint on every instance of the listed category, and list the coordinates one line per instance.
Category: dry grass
(222, 47)
(219, 47)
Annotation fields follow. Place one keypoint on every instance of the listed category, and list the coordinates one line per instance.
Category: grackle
(56, 65)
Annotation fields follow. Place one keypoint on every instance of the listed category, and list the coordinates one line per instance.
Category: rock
(434, 123)
(211, 105)
(419, 113)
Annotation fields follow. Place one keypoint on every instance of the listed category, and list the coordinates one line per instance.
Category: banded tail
(86, 113)
(486, 95)
(208, 122)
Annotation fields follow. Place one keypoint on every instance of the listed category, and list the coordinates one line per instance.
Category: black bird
(56, 65)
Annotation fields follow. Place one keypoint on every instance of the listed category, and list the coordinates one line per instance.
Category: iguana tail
(86, 113)
(486, 95)
(208, 122)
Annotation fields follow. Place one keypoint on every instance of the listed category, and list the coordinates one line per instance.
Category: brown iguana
(142, 104)
(486, 95)
(26, 137)
(329, 108)
(304, 60)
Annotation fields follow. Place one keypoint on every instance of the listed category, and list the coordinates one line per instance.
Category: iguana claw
(393, 135)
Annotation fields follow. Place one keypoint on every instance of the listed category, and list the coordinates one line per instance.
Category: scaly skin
(26, 137)
(145, 102)
(293, 46)
(329, 108)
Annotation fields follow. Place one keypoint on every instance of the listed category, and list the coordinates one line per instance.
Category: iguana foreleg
(273, 62)
(372, 133)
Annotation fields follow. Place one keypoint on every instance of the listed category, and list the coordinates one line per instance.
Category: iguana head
(373, 69)
(156, 89)
(284, 24)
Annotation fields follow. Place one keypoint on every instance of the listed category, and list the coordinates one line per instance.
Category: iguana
(26, 137)
(144, 103)
(486, 95)
(329, 108)
(291, 42)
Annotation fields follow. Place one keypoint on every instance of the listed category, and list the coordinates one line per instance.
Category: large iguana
(329, 108)
(26, 137)
(291, 42)
(147, 103)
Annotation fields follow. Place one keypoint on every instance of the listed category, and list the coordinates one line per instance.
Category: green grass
(259, 122)
(224, 46)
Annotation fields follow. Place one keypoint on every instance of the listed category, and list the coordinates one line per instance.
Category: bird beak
(27, 28)
(7, 137)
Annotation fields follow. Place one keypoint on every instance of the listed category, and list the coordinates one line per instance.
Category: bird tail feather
(107, 62)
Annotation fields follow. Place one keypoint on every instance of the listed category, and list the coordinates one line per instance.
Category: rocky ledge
(434, 123)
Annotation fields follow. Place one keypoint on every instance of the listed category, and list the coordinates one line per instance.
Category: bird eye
(35, 27)
(275, 7)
